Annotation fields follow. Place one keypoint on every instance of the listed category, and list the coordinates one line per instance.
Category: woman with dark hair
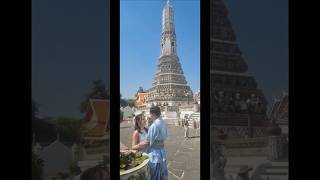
(140, 134)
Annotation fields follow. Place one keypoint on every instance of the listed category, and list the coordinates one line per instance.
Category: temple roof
(97, 131)
(102, 109)
(141, 99)
(56, 157)
(97, 118)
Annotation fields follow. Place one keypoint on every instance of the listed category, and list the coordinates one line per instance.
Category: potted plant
(133, 165)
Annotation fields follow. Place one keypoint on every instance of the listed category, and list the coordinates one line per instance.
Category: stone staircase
(170, 117)
(194, 117)
(275, 171)
(266, 171)
(234, 163)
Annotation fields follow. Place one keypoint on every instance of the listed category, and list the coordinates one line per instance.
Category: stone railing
(246, 143)
(93, 153)
(247, 152)
(142, 108)
(230, 119)
(245, 147)
(186, 108)
(97, 150)
(171, 108)
(237, 119)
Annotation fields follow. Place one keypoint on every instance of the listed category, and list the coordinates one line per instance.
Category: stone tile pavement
(183, 154)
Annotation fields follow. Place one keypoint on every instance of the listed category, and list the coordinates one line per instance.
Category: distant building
(141, 99)
(56, 158)
(197, 97)
(96, 121)
(128, 112)
(95, 134)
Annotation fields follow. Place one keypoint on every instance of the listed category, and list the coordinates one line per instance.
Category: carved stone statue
(243, 173)
(219, 162)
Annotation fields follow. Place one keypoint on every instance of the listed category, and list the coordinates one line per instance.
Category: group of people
(151, 141)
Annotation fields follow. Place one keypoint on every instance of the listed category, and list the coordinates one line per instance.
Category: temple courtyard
(183, 154)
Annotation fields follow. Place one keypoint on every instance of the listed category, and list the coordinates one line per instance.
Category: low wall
(246, 147)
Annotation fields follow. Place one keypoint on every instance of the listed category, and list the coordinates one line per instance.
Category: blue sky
(261, 28)
(70, 48)
(140, 33)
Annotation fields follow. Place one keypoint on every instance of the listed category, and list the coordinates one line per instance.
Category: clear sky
(69, 50)
(70, 43)
(261, 28)
(140, 33)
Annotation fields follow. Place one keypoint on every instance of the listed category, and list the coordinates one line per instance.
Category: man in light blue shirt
(157, 135)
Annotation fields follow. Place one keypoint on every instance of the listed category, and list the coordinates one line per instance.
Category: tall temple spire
(233, 84)
(169, 86)
(168, 39)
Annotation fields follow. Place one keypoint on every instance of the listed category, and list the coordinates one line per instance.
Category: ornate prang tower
(238, 107)
(170, 86)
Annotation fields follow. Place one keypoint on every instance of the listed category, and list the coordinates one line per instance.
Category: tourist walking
(186, 127)
(156, 137)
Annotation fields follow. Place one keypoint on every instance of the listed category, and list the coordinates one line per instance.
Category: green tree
(68, 128)
(74, 169)
(121, 116)
(36, 167)
(44, 130)
(123, 102)
(41, 127)
(131, 102)
(98, 91)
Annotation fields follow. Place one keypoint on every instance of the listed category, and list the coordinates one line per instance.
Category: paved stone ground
(183, 154)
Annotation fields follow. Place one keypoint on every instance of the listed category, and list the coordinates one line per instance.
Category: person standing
(186, 127)
(140, 133)
(156, 137)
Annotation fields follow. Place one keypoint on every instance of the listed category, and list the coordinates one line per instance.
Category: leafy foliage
(131, 159)
(74, 169)
(121, 116)
(68, 128)
(131, 102)
(98, 91)
(36, 167)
